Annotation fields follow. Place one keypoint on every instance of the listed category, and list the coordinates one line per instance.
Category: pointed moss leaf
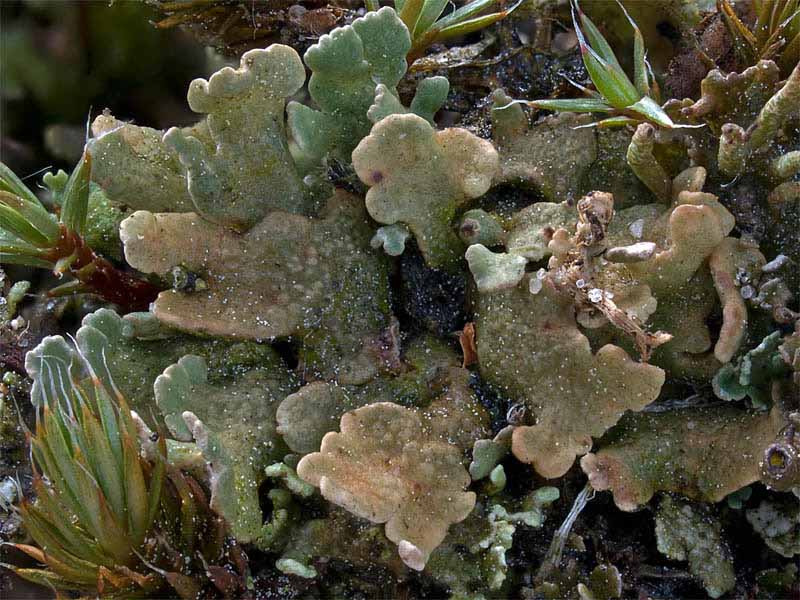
(248, 170)
(13, 222)
(13, 246)
(471, 25)
(639, 56)
(612, 122)
(410, 12)
(346, 64)
(612, 83)
(465, 12)
(75, 198)
(596, 40)
(650, 110)
(233, 423)
(35, 214)
(9, 182)
(582, 105)
(431, 11)
(14, 258)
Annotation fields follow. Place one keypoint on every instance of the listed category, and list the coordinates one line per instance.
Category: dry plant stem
(100, 276)
(595, 212)
(552, 560)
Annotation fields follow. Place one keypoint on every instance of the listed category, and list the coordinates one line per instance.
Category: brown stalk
(100, 276)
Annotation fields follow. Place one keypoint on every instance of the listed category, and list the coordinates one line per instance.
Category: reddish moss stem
(100, 276)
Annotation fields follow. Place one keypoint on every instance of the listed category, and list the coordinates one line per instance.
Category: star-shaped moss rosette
(316, 280)
(530, 346)
(233, 424)
(427, 25)
(385, 465)
(701, 453)
(110, 519)
(775, 33)
(420, 176)
(32, 236)
(625, 102)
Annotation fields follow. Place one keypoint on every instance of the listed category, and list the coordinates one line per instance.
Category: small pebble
(775, 264)
(637, 228)
(535, 285)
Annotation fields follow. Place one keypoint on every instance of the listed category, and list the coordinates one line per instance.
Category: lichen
(415, 478)
(420, 176)
(145, 158)
(778, 523)
(233, 425)
(338, 296)
(686, 531)
(753, 373)
(346, 65)
(701, 453)
(531, 346)
(550, 156)
(299, 358)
